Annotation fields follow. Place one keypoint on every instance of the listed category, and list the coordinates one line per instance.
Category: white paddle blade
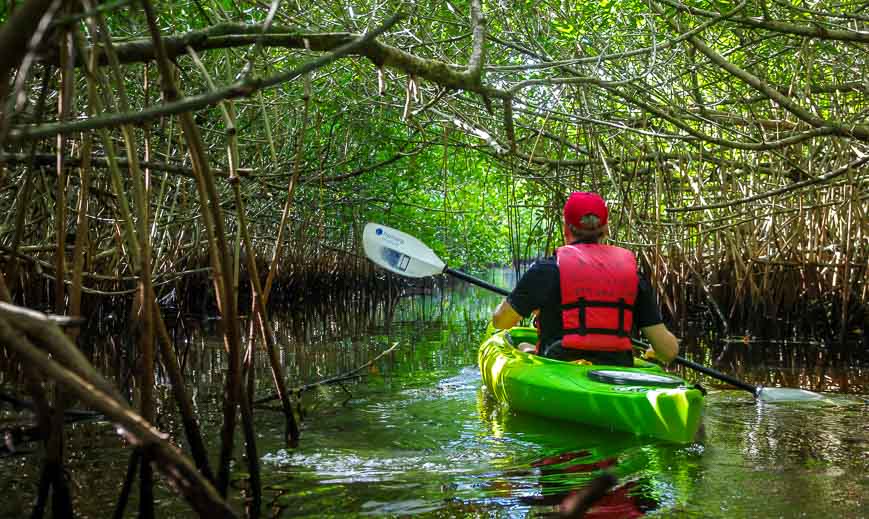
(399, 252)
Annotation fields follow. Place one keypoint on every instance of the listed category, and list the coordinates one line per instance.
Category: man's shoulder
(547, 264)
(541, 274)
(546, 261)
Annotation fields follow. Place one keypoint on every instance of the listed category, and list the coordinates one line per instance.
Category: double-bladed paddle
(405, 255)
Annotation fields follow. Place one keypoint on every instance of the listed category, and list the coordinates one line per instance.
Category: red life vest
(598, 290)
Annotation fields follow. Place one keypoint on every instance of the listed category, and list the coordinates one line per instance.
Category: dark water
(418, 436)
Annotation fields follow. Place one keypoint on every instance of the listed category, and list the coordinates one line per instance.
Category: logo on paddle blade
(389, 238)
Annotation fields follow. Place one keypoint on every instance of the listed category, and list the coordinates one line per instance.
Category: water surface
(419, 436)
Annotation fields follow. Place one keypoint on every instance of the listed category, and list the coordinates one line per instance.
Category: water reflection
(579, 470)
(773, 365)
(443, 444)
(417, 435)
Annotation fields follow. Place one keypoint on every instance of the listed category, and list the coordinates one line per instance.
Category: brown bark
(218, 245)
(182, 397)
(48, 161)
(14, 37)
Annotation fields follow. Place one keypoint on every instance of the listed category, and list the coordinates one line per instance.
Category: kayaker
(589, 297)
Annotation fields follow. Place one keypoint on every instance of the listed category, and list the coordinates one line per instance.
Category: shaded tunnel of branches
(152, 153)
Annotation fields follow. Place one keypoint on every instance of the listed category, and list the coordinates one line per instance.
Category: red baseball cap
(580, 204)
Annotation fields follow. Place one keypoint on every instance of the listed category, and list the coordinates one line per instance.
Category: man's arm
(505, 316)
(664, 343)
(649, 320)
(527, 298)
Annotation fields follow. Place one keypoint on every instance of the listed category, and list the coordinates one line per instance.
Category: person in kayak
(589, 297)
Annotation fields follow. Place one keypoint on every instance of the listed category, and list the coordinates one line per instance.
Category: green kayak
(643, 399)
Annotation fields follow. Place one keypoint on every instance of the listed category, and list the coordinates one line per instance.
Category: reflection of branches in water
(805, 364)
(579, 481)
(577, 503)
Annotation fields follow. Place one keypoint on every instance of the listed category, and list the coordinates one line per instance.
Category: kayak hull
(536, 385)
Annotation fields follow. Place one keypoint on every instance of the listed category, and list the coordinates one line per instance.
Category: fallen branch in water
(353, 373)
(71, 415)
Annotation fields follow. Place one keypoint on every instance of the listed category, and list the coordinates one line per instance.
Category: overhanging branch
(242, 88)
(782, 190)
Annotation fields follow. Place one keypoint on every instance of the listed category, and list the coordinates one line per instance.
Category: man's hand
(665, 345)
(505, 316)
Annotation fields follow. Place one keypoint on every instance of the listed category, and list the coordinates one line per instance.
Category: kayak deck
(537, 385)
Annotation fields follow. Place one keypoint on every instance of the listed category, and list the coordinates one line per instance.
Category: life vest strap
(584, 303)
(601, 304)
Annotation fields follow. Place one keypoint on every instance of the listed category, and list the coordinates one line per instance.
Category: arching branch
(810, 31)
(780, 191)
(858, 131)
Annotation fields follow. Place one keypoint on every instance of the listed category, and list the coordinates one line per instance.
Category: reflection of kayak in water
(554, 437)
(575, 466)
(642, 400)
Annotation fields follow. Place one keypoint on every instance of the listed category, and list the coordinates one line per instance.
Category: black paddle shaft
(754, 390)
(476, 281)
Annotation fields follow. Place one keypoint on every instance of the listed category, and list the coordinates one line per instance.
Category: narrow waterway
(418, 435)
